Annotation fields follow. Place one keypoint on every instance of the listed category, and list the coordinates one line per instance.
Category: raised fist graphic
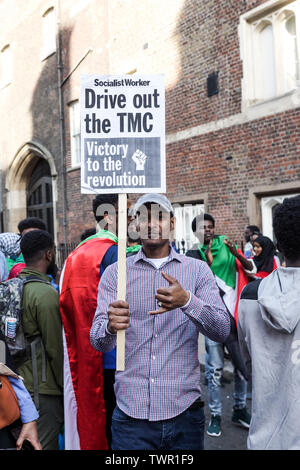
(139, 159)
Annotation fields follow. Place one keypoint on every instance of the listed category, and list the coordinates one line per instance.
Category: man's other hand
(170, 297)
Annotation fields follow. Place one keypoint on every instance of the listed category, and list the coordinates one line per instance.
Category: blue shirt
(28, 410)
(110, 257)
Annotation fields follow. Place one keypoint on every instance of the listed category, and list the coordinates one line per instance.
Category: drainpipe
(61, 123)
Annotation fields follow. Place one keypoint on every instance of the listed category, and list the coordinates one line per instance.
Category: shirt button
(154, 357)
(155, 336)
(152, 380)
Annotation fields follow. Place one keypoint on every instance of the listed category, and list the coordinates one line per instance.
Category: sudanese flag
(83, 373)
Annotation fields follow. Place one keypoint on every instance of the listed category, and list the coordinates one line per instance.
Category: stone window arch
(18, 179)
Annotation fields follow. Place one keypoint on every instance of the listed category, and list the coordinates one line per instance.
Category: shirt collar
(173, 255)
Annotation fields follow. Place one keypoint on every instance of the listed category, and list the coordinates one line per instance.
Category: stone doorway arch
(18, 178)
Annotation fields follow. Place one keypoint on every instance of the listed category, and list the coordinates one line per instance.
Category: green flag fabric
(11, 262)
(223, 265)
(133, 248)
(102, 234)
(114, 238)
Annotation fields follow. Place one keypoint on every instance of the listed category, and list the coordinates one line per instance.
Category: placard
(122, 134)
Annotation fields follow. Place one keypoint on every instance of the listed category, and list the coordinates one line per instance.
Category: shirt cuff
(188, 302)
(108, 332)
(193, 308)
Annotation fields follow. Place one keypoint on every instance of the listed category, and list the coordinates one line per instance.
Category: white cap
(154, 198)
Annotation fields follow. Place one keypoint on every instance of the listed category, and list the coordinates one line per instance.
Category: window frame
(274, 12)
(49, 45)
(75, 150)
(6, 66)
(267, 203)
(184, 213)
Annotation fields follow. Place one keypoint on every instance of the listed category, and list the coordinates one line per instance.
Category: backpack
(9, 405)
(11, 310)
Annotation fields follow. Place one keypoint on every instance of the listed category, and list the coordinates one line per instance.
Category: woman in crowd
(265, 258)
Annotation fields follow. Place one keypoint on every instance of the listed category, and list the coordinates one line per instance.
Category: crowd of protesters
(246, 302)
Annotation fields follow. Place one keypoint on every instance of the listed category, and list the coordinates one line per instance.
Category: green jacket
(41, 316)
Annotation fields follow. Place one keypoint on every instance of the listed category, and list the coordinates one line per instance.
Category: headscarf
(10, 244)
(265, 261)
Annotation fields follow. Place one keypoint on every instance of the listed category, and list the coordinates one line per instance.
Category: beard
(52, 269)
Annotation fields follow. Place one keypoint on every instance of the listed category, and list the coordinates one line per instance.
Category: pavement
(233, 437)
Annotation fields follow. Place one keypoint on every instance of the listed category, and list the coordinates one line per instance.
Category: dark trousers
(50, 421)
(109, 399)
(7, 441)
(183, 432)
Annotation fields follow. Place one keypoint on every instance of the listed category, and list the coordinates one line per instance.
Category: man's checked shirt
(162, 371)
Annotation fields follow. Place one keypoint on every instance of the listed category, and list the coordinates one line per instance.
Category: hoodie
(269, 336)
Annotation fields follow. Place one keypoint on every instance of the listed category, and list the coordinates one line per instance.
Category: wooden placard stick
(122, 242)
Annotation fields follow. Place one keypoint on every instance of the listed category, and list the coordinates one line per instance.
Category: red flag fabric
(16, 269)
(78, 302)
(242, 280)
(263, 274)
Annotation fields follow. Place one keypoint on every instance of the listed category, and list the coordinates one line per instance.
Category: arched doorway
(31, 184)
(39, 194)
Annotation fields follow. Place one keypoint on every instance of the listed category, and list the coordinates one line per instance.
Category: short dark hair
(87, 233)
(195, 221)
(209, 217)
(31, 222)
(253, 228)
(286, 225)
(34, 244)
(200, 218)
(103, 199)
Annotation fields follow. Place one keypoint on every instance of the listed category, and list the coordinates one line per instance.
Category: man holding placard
(169, 299)
(122, 151)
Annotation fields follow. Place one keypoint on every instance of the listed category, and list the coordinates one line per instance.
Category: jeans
(183, 432)
(214, 363)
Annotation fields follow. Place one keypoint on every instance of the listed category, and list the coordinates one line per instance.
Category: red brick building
(232, 74)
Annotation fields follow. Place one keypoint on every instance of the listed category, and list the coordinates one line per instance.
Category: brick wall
(184, 39)
(228, 163)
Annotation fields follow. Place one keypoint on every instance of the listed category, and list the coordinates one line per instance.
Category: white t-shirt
(157, 261)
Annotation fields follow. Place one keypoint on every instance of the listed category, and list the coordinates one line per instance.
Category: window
(291, 56)
(268, 205)
(6, 66)
(49, 33)
(39, 195)
(267, 59)
(270, 38)
(183, 234)
(75, 133)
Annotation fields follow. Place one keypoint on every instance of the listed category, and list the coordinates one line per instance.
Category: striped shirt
(162, 372)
